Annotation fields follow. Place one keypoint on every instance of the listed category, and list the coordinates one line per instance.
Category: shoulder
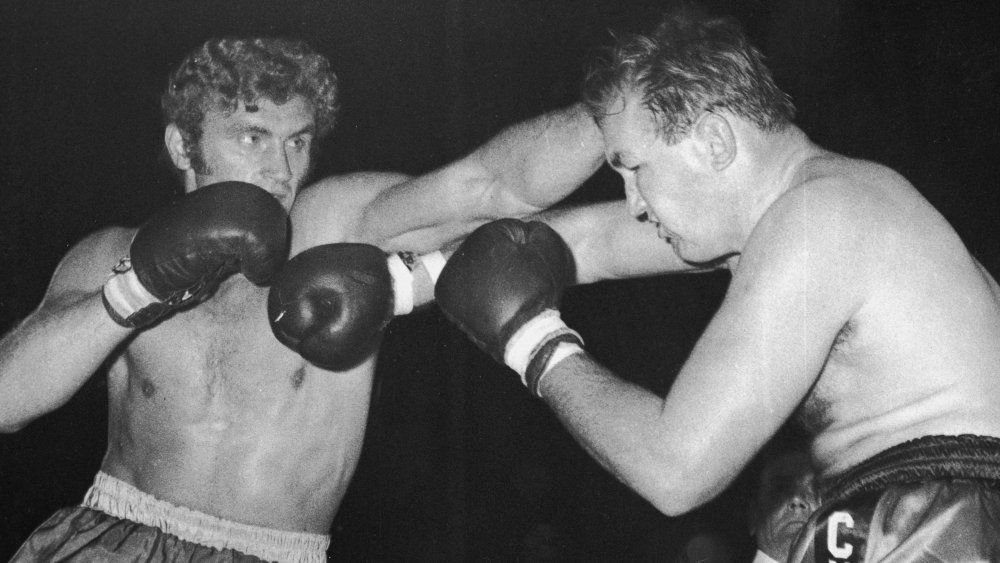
(347, 193)
(824, 234)
(330, 209)
(835, 203)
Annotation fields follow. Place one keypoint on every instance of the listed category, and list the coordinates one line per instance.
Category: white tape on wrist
(126, 295)
(526, 340)
(402, 285)
(434, 262)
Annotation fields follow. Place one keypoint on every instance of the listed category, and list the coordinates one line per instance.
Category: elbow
(13, 419)
(12, 426)
(678, 492)
(672, 501)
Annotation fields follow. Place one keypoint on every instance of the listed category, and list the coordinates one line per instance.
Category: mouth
(793, 525)
(663, 233)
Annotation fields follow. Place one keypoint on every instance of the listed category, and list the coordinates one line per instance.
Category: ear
(174, 140)
(717, 138)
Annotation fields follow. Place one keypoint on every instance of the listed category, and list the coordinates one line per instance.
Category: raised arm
(524, 169)
(52, 353)
(609, 243)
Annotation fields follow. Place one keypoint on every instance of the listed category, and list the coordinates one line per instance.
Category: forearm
(608, 243)
(50, 355)
(620, 425)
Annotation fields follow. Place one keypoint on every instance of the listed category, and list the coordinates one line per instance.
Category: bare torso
(207, 410)
(921, 355)
(210, 412)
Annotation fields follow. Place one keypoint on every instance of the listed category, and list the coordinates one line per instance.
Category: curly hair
(686, 67)
(226, 71)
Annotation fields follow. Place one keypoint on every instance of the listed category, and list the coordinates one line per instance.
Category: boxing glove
(502, 287)
(331, 303)
(180, 256)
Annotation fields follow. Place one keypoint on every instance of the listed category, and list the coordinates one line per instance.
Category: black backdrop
(459, 464)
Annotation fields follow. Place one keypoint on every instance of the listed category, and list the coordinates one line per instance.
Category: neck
(771, 162)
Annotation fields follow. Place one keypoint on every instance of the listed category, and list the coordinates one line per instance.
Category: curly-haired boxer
(237, 409)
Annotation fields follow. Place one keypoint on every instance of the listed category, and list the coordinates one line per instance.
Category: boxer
(239, 383)
(853, 308)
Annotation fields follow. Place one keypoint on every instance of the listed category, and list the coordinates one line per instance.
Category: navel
(298, 377)
(147, 387)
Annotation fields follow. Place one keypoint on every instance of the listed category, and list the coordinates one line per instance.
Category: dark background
(459, 463)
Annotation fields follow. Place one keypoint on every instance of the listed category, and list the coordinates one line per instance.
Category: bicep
(537, 163)
(334, 209)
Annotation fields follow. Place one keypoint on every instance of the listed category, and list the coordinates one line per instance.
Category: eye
(299, 143)
(250, 139)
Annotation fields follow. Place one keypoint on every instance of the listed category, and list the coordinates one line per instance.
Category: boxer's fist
(502, 287)
(181, 255)
(331, 303)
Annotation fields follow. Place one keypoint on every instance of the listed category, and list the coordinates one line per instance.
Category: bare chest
(219, 355)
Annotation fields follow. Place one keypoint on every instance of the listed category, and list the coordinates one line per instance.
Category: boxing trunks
(118, 522)
(936, 498)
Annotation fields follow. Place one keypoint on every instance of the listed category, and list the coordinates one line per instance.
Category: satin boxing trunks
(936, 498)
(118, 522)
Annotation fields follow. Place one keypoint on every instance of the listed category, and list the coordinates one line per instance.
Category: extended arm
(524, 169)
(609, 243)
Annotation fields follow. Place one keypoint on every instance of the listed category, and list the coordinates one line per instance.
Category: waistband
(122, 500)
(927, 458)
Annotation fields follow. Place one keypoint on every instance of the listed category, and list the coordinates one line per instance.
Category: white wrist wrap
(125, 295)
(530, 337)
(401, 268)
(402, 285)
(434, 262)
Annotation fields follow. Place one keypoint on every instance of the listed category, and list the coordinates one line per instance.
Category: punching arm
(524, 169)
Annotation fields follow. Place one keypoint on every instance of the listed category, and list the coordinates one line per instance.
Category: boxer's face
(669, 183)
(785, 501)
(266, 144)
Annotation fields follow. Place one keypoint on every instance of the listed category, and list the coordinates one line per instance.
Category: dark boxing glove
(331, 303)
(502, 287)
(182, 254)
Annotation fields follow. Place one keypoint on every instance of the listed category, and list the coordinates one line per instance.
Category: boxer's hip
(936, 497)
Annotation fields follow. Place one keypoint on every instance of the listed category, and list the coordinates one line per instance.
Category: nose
(278, 167)
(803, 500)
